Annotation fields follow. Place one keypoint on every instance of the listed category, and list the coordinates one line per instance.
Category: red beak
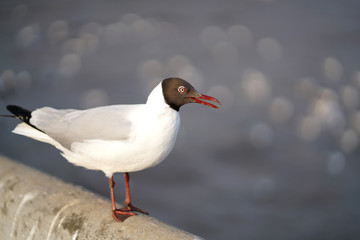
(208, 98)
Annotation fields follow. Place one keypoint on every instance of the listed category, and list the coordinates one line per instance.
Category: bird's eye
(182, 89)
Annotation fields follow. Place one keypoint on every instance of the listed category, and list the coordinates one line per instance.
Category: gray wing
(68, 126)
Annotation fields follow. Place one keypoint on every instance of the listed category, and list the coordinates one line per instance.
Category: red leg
(125, 212)
(118, 214)
(127, 189)
(127, 202)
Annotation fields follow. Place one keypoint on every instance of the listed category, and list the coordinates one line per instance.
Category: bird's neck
(156, 99)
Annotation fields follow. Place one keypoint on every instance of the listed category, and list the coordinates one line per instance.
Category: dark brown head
(178, 92)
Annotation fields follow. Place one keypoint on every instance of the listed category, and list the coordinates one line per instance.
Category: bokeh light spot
(255, 86)
(349, 141)
(281, 110)
(350, 97)
(28, 35)
(333, 69)
(58, 30)
(70, 65)
(309, 128)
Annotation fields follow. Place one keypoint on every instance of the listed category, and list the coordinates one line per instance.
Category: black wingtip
(21, 113)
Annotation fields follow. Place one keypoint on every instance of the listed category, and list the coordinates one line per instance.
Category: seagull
(115, 138)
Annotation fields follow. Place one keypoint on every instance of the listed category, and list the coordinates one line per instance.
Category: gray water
(278, 160)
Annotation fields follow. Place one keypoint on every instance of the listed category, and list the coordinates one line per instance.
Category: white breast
(150, 143)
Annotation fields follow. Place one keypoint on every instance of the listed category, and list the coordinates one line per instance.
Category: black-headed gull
(116, 138)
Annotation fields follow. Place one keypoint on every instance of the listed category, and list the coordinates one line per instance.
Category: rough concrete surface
(34, 205)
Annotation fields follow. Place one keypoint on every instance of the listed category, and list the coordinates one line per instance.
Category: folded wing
(69, 125)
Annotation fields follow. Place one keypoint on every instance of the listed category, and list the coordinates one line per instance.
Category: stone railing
(34, 205)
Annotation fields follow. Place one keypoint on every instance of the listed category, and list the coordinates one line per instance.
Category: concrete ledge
(34, 205)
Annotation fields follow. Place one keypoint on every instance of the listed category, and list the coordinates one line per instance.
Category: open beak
(205, 97)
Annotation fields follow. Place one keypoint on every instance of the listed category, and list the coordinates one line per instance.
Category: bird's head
(178, 92)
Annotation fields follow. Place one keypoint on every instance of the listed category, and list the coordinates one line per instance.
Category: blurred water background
(279, 160)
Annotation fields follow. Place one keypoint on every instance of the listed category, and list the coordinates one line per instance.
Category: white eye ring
(182, 89)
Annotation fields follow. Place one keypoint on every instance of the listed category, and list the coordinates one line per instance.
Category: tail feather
(22, 114)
